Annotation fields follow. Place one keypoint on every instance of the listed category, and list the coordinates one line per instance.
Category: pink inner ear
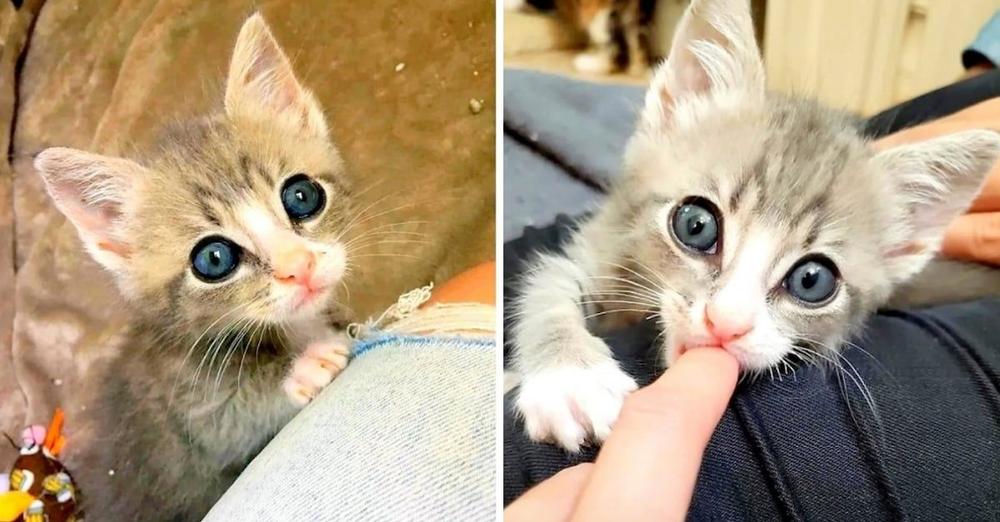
(267, 74)
(97, 217)
(908, 249)
(119, 249)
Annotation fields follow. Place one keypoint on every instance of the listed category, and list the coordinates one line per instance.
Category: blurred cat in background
(618, 31)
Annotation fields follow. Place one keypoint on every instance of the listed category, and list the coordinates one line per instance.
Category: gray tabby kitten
(227, 242)
(747, 220)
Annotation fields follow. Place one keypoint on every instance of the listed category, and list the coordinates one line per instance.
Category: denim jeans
(406, 432)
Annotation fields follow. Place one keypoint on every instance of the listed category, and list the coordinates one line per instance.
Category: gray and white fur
(210, 369)
(790, 179)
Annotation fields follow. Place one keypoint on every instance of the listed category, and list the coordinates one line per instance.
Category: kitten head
(235, 216)
(770, 227)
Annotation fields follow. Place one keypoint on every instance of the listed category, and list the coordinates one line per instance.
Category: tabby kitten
(227, 242)
(746, 220)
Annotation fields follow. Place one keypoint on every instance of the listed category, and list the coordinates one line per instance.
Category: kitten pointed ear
(91, 191)
(714, 53)
(262, 85)
(935, 181)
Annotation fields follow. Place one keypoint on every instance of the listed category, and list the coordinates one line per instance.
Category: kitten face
(765, 225)
(235, 217)
(234, 214)
(763, 228)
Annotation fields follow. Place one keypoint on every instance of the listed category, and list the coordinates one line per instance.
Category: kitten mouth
(680, 348)
(310, 295)
(684, 348)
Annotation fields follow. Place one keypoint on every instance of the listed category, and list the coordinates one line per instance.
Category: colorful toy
(40, 488)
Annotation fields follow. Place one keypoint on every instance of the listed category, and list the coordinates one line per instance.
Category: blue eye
(696, 226)
(302, 197)
(812, 281)
(214, 258)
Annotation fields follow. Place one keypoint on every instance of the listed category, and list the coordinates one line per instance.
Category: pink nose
(294, 265)
(727, 325)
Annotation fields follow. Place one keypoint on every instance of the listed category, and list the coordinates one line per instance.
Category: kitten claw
(573, 405)
(315, 368)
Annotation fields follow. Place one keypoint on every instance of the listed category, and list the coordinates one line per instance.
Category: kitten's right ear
(91, 191)
(935, 181)
(262, 84)
(714, 53)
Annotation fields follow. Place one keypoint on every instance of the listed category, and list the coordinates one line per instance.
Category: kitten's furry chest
(156, 442)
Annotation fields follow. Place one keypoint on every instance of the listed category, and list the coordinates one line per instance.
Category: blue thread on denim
(381, 340)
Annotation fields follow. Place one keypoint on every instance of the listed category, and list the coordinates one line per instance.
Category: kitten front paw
(315, 368)
(571, 405)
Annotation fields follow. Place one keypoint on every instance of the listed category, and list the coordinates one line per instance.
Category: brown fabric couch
(101, 75)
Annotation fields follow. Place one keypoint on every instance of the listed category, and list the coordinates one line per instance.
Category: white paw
(513, 5)
(571, 405)
(594, 62)
(314, 368)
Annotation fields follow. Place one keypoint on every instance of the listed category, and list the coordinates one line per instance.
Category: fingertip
(716, 359)
(973, 237)
(703, 368)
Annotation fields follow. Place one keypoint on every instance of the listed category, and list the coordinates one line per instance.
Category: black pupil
(696, 225)
(810, 277)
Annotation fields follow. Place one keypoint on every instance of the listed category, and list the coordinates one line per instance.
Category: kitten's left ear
(262, 84)
(93, 192)
(714, 53)
(935, 181)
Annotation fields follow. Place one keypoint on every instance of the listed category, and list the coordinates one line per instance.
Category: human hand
(975, 236)
(647, 468)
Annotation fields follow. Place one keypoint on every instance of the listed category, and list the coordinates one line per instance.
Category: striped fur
(207, 370)
(790, 179)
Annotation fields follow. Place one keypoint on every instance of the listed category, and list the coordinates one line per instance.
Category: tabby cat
(752, 221)
(229, 241)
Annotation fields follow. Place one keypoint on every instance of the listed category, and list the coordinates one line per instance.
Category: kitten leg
(598, 60)
(600, 57)
(638, 59)
(314, 368)
(572, 388)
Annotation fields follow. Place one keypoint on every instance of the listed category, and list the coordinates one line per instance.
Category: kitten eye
(214, 258)
(696, 226)
(302, 197)
(813, 280)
